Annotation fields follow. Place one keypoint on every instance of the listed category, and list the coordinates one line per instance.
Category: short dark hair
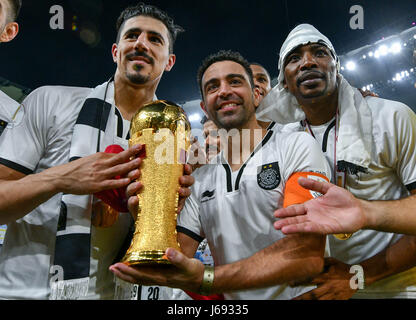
(142, 9)
(260, 65)
(15, 6)
(224, 55)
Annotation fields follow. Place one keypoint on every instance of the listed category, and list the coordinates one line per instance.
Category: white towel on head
(355, 128)
(301, 35)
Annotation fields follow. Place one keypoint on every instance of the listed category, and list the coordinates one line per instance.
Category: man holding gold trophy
(63, 148)
(234, 198)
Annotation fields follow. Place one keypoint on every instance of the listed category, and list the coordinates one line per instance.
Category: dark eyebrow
(209, 82)
(132, 30)
(151, 32)
(235, 75)
(155, 33)
(260, 74)
(228, 77)
(312, 45)
(318, 46)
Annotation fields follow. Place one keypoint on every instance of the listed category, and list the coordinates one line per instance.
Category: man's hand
(186, 181)
(97, 172)
(185, 274)
(333, 283)
(337, 211)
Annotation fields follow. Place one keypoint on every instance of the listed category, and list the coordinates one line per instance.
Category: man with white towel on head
(369, 144)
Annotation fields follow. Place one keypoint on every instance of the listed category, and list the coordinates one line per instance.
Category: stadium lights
(403, 74)
(368, 87)
(396, 48)
(195, 117)
(398, 77)
(383, 50)
(393, 46)
(351, 66)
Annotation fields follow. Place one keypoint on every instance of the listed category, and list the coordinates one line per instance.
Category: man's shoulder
(292, 136)
(390, 115)
(290, 127)
(59, 92)
(55, 99)
(386, 108)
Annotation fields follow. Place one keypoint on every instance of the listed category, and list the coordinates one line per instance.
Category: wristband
(207, 281)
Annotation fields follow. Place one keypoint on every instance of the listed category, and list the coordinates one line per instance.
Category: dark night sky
(41, 56)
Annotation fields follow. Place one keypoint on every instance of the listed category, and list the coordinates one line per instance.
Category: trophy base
(146, 258)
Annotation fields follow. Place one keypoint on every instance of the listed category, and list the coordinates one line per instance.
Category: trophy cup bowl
(163, 128)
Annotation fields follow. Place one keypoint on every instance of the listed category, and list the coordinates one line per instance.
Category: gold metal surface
(164, 130)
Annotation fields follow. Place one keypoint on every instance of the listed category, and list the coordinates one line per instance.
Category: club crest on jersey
(268, 176)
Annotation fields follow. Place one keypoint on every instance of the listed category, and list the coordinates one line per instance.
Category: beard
(314, 95)
(137, 78)
(235, 121)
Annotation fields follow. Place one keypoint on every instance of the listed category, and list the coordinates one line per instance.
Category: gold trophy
(164, 130)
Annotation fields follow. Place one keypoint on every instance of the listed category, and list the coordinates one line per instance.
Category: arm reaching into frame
(20, 194)
(338, 211)
(297, 257)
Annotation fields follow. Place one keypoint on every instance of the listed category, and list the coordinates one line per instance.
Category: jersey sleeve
(22, 143)
(405, 146)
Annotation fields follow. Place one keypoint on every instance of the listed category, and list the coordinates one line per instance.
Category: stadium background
(381, 57)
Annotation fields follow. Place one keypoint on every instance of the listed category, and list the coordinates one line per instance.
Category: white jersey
(8, 108)
(39, 139)
(234, 210)
(391, 176)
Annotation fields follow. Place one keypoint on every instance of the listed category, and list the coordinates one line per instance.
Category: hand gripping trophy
(163, 128)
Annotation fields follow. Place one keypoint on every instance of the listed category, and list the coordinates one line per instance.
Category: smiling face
(310, 72)
(261, 79)
(142, 53)
(228, 97)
